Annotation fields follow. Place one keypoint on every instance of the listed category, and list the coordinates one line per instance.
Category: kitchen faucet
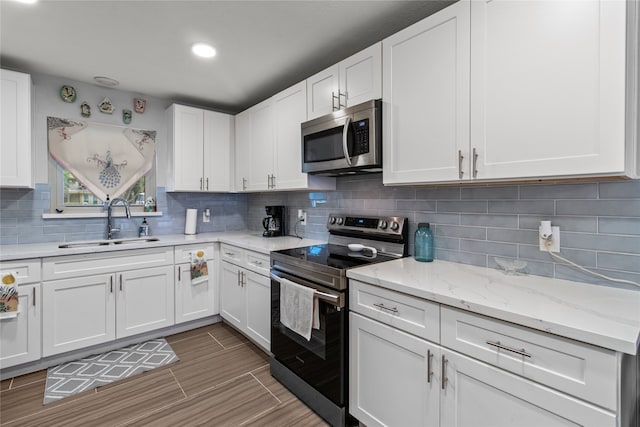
(110, 229)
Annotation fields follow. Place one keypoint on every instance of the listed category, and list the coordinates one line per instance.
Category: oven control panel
(391, 225)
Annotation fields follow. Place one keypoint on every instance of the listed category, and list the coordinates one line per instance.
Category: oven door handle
(322, 295)
(345, 135)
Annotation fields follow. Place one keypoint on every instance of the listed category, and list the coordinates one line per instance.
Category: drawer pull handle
(257, 262)
(229, 253)
(429, 373)
(497, 344)
(383, 307)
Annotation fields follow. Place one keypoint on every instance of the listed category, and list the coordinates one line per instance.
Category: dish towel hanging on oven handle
(297, 311)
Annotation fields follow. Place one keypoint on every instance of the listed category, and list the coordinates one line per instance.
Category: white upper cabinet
(501, 90)
(268, 145)
(548, 88)
(426, 98)
(200, 144)
(352, 81)
(15, 130)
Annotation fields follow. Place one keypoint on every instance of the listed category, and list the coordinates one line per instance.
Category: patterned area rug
(85, 374)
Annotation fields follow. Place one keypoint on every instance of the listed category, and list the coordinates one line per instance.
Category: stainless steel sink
(92, 243)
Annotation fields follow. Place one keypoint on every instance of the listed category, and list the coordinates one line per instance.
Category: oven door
(321, 362)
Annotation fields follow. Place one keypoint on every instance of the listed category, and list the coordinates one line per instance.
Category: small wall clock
(68, 93)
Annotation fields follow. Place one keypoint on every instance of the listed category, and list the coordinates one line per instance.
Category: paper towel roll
(191, 221)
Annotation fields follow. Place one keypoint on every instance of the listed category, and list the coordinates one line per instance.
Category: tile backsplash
(599, 221)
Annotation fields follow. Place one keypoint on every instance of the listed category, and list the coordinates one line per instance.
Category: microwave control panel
(361, 137)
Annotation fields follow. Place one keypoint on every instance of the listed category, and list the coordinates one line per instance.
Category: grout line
(11, 387)
(266, 411)
(177, 382)
(265, 387)
(216, 340)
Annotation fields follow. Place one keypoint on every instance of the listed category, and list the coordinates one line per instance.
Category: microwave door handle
(345, 134)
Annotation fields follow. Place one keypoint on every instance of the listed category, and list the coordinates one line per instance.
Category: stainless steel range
(315, 370)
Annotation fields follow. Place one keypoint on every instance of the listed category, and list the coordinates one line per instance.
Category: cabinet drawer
(26, 271)
(579, 369)
(183, 253)
(232, 254)
(413, 315)
(107, 262)
(258, 262)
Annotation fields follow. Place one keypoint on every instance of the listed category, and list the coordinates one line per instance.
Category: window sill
(97, 215)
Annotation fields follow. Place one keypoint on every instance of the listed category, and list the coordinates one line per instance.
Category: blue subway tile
(490, 220)
(584, 224)
(490, 193)
(514, 236)
(621, 262)
(609, 225)
(626, 208)
(466, 206)
(491, 248)
(544, 207)
(560, 191)
(620, 190)
(601, 242)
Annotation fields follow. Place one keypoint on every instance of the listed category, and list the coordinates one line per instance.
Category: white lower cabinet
(399, 379)
(245, 293)
(79, 312)
(20, 336)
(100, 297)
(195, 301)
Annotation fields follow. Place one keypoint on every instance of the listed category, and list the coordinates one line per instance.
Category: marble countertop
(251, 240)
(599, 315)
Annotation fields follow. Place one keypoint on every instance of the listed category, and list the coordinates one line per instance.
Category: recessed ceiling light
(106, 81)
(27, 1)
(203, 50)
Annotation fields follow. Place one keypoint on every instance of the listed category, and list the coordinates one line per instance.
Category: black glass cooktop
(335, 256)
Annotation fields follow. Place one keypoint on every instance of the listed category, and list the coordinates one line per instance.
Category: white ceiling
(263, 46)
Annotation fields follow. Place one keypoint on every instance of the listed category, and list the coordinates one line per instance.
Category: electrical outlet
(206, 215)
(302, 216)
(553, 242)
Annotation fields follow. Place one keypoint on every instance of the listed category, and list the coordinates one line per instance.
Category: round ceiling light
(203, 50)
(106, 81)
(27, 1)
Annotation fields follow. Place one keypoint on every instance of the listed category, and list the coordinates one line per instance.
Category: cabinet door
(217, 151)
(477, 394)
(242, 150)
(78, 313)
(187, 148)
(15, 130)
(261, 150)
(145, 300)
(232, 303)
(257, 290)
(20, 336)
(426, 99)
(389, 379)
(548, 87)
(194, 301)
(321, 90)
(290, 111)
(361, 76)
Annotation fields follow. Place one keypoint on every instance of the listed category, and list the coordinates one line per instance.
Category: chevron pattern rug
(94, 371)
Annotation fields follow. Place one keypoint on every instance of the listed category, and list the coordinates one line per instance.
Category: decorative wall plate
(126, 116)
(106, 106)
(85, 110)
(139, 105)
(68, 93)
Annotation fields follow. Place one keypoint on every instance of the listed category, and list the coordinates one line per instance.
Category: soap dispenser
(143, 230)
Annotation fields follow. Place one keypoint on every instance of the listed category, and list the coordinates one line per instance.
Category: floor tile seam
(206, 390)
(152, 412)
(238, 345)
(186, 338)
(265, 387)
(216, 340)
(177, 382)
(11, 387)
(255, 417)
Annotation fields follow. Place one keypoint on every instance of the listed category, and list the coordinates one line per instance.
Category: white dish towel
(298, 308)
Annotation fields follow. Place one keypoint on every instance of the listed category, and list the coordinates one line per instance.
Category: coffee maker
(274, 223)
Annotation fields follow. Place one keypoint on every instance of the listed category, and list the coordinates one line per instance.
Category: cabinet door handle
(273, 181)
(179, 274)
(242, 279)
(444, 372)
(429, 373)
(341, 105)
(121, 282)
(383, 307)
(244, 183)
(111, 283)
(207, 184)
(34, 296)
(200, 183)
(497, 344)
(333, 101)
(460, 159)
(238, 277)
(475, 163)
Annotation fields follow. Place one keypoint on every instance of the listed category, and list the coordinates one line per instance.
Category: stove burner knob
(340, 221)
(395, 226)
(382, 224)
(332, 220)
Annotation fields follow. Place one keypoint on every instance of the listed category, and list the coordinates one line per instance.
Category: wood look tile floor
(220, 380)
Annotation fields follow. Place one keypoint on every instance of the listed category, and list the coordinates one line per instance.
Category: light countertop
(599, 315)
(251, 240)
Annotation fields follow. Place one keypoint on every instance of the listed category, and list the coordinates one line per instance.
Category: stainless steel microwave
(347, 141)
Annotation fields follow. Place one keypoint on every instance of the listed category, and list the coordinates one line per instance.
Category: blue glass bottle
(423, 243)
